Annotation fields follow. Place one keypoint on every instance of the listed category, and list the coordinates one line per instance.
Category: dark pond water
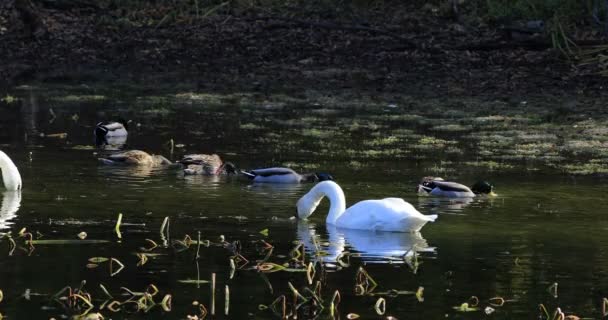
(543, 228)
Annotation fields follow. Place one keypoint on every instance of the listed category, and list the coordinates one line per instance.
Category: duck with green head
(436, 186)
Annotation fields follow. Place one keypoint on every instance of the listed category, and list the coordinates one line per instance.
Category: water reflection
(444, 204)
(132, 173)
(279, 192)
(11, 201)
(370, 246)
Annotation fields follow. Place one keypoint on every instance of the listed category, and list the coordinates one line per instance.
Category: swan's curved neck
(335, 194)
(10, 174)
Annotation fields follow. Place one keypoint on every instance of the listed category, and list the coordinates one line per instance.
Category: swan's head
(483, 187)
(306, 206)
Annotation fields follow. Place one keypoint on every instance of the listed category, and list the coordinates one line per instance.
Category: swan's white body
(10, 174)
(389, 214)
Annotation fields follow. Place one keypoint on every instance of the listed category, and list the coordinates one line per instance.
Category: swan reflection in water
(11, 201)
(370, 246)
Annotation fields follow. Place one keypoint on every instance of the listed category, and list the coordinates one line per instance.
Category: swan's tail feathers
(432, 217)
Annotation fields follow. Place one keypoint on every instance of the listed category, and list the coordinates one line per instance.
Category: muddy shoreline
(399, 49)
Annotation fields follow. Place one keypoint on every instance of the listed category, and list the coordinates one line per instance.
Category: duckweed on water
(451, 128)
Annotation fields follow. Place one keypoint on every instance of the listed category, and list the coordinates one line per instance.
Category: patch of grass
(355, 165)
(80, 98)
(250, 126)
(9, 99)
(386, 141)
(158, 110)
(491, 165)
(451, 128)
(428, 142)
(317, 133)
(594, 166)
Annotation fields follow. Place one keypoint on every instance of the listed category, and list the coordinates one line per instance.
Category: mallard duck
(114, 132)
(284, 175)
(206, 164)
(10, 174)
(135, 157)
(436, 186)
(388, 214)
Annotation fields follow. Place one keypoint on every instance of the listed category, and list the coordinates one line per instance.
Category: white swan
(389, 214)
(11, 201)
(10, 174)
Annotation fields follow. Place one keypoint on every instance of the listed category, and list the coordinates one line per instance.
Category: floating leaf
(92, 265)
(83, 147)
(380, 306)
(98, 259)
(166, 303)
(264, 232)
(553, 289)
(121, 266)
(419, 293)
(105, 291)
(117, 227)
(82, 235)
(143, 258)
(192, 281)
(335, 301)
(352, 316)
(57, 241)
(62, 135)
(465, 308)
(496, 301)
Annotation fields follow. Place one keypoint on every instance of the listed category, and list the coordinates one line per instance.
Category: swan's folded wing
(390, 214)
